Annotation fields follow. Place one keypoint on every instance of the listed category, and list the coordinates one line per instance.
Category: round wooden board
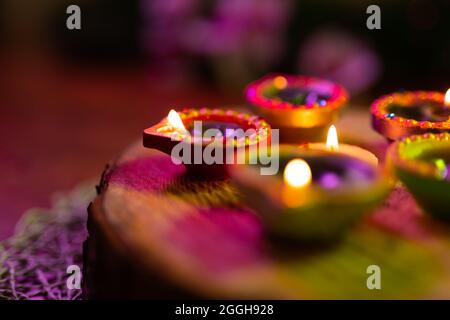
(155, 233)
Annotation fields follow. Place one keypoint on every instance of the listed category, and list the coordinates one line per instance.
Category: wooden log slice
(154, 233)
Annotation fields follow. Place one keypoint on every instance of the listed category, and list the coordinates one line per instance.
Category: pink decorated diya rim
(396, 154)
(189, 115)
(254, 92)
(379, 109)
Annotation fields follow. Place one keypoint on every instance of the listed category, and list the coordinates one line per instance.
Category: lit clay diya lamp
(422, 163)
(205, 140)
(333, 144)
(316, 196)
(301, 107)
(400, 115)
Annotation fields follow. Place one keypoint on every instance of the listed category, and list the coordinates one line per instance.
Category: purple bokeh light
(329, 180)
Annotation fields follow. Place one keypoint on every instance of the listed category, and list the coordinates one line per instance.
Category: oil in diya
(206, 140)
(301, 107)
(318, 194)
(422, 164)
(399, 115)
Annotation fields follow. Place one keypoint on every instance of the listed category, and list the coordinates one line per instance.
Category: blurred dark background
(72, 99)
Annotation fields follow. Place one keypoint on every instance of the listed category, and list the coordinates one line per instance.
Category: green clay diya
(422, 163)
(316, 196)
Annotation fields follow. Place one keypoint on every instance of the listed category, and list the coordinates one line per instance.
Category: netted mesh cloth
(34, 261)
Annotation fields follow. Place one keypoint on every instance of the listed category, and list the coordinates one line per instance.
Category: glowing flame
(332, 139)
(447, 98)
(297, 173)
(175, 121)
(280, 82)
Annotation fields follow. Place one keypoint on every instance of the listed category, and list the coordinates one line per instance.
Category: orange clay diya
(301, 107)
(186, 137)
(399, 115)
